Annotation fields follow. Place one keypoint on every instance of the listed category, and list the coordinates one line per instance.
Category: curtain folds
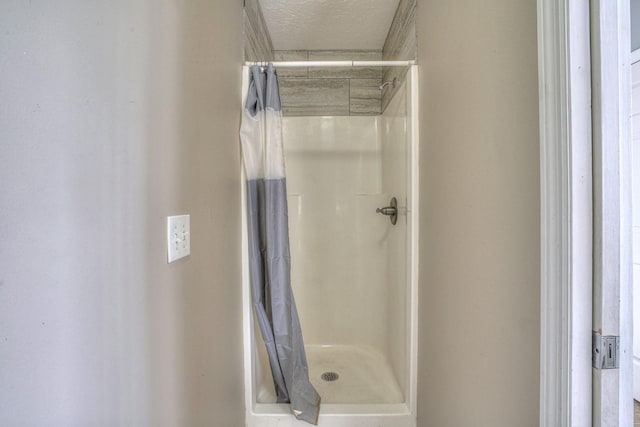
(268, 232)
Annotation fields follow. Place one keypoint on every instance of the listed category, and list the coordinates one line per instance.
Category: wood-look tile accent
(358, 86)
(329, 91)
(292, 55)
(399, 45)
(401, 39)
(364, 99)
(400, 74)
(346, 72)
(314, 97)
(257, 41)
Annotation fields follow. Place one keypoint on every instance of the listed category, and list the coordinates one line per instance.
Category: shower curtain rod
(295, 64)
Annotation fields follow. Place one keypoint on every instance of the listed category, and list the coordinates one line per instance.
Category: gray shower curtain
(268, 232)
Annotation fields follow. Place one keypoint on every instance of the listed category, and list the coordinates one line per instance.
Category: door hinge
(605, 351)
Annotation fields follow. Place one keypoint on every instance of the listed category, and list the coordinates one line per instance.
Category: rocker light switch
(178, 239)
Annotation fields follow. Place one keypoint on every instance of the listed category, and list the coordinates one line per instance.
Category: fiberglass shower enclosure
(354, 274)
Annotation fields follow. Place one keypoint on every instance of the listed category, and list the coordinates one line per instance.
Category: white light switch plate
(178, 237)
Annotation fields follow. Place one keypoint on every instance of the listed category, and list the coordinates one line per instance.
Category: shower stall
(353, 272)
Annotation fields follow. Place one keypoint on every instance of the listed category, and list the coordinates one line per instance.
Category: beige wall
(116, 114)
(113, 115)
(479, 283)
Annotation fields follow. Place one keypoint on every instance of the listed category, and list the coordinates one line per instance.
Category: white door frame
(564, 60)
(635, 57)
(612, 289)
(566, 206)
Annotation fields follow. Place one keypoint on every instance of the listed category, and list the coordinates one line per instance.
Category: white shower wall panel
(338, 242)
(394, 182)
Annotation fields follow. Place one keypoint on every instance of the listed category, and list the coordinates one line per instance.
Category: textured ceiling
(328, 24)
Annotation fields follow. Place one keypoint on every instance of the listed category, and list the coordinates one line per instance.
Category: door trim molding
(612, 295)
(565, 223)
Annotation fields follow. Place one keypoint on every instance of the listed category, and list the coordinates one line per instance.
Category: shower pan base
(363, 376)
(365, 392)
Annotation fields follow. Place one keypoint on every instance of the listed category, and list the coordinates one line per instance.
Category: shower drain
(330, 376)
